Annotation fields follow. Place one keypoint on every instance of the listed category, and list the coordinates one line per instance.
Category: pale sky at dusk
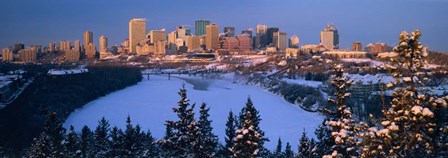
(43, 21)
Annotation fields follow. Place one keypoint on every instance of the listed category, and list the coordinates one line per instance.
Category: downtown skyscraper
(200, 26)
(212, 36)
(329, 37)
(88, 38)
(137, 33)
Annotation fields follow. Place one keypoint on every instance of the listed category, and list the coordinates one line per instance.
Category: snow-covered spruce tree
(288, 151)
(408, 124)
(183, 139)
(131, 140)
(247, 138)
(313, 148)
(86, 142)
(51, 141)
(72, 144)
(341, 122)
(255, 118)
(151, 149)
(230, 134)
(324, 139)
(278, 153)
(208, 141)
(116, 142)
(101, 138)
(304, 148)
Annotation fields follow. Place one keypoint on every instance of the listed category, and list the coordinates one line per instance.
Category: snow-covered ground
(150, 103)
(303, 82)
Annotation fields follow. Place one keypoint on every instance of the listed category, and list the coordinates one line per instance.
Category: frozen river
(150, 103)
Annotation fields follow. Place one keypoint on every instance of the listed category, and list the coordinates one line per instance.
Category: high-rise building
(72, 55)
(212, 36)
(157, 36)
(64, 45)
(329, 37)
(52, 47)
(261, 39)
(193, 43)
(294, 42)
(160, 48)
(7, 54)
(229, 31)
(103, 43)
(230, 44)
(270, 35)
(356, 46)
(137, 33)
(28, 55)
(90, 51)
(244, 42)
(376, 48)
(77, 46)
(182, 32)
(280, 40)
(88, 38)
(200, 26)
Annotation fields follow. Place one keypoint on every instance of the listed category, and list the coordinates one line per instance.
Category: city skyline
(356, 20)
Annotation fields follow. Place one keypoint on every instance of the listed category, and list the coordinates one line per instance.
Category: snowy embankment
(150, 103)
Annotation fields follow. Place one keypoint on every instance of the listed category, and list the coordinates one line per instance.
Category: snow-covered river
(150, 103)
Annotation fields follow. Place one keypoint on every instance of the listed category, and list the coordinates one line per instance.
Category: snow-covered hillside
(150, 102)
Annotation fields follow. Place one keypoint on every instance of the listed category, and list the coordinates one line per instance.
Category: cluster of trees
(185, 137)
(25, 117)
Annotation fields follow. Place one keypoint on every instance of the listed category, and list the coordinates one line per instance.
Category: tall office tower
(193, 43)
(356, 46)
(262, 39)
(137, 33)
(199, 27)
(72, 55)
(329, 37)
(244, 42)
(7, 54)
(172, 41)
(294, 42)
(157, 36)
(247, 31)
(90, 51)
(77, 46)
(229, 31)
(270, 34)
(18, 47)
(28, 55)
(64, 45)
(262, 29)
(88, 38)
(280, 40)
(212, 36)
(103, 43)
(52, 47)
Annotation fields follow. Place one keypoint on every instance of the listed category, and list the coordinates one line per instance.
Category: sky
(367, 21)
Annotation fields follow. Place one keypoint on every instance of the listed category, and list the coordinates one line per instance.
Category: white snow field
(150, 103)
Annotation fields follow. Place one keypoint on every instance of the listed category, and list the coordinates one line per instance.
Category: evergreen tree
(116, 143)
(230, 133)
(288, 151)
(40, 147)
(183, 140)
(313, 148)
(101, 137)
(86, 142)
(151, 149)
(246, 142)
(130, 140)
(72, 143)
(51, 141)
(255, 119)
(408, 126)
(325, 140)
(341, 122)
(278, 153)
(208, 141)
(304, 148)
